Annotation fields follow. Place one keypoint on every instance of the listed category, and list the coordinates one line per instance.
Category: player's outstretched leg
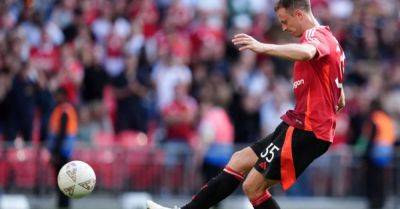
(256, 188)
(224, 184)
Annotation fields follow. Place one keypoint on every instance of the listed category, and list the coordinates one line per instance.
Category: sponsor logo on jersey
(298, 83)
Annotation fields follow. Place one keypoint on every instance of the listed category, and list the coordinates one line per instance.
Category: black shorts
(286, 153)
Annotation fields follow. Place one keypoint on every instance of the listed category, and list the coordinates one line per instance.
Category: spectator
(45, 102)
(4, 87)
(130, 93)
(63, 130)
(246, 100)
(44, 55)
(379, 138)
(71, 73)
(273, 108)
(95, 77)
(216, 134)
(166, 74)
(94, 117)
(179, 119)
(21, 97)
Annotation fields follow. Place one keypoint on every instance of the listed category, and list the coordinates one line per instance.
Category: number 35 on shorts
(269, 153)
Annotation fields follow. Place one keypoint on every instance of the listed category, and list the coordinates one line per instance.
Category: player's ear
(299, 14)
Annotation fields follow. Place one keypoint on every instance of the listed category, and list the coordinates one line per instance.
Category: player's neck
(311, 22)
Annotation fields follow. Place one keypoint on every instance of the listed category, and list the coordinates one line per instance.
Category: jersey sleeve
(317, 39)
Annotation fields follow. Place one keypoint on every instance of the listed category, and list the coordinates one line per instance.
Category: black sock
(265, 202)
(217, 189)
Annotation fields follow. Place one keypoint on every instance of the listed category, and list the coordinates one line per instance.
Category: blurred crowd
(165, 73)
(167, 68)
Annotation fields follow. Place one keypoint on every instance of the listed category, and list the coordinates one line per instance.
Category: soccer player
(305, 132)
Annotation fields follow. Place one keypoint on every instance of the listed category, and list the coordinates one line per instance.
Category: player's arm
(298, 52)
(342, 100)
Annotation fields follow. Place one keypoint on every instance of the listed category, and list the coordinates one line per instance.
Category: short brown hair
(293, 4)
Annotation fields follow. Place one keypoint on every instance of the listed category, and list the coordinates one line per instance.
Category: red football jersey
(316, 85)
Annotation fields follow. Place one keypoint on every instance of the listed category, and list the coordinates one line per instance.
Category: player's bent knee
(256, 184)
(242, 161)
(235, 162)
(247, 188)
(253, 190)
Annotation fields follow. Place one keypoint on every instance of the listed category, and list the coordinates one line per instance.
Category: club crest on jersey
(298, 83)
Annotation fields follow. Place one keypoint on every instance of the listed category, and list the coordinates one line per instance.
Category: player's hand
(244, 41)
(342, 101)
(340, 105)
(338, 108)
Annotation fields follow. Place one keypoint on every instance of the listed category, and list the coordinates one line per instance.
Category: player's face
(290, 23)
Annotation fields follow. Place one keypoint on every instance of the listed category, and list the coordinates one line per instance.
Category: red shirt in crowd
(182, 130)
(45, 57)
